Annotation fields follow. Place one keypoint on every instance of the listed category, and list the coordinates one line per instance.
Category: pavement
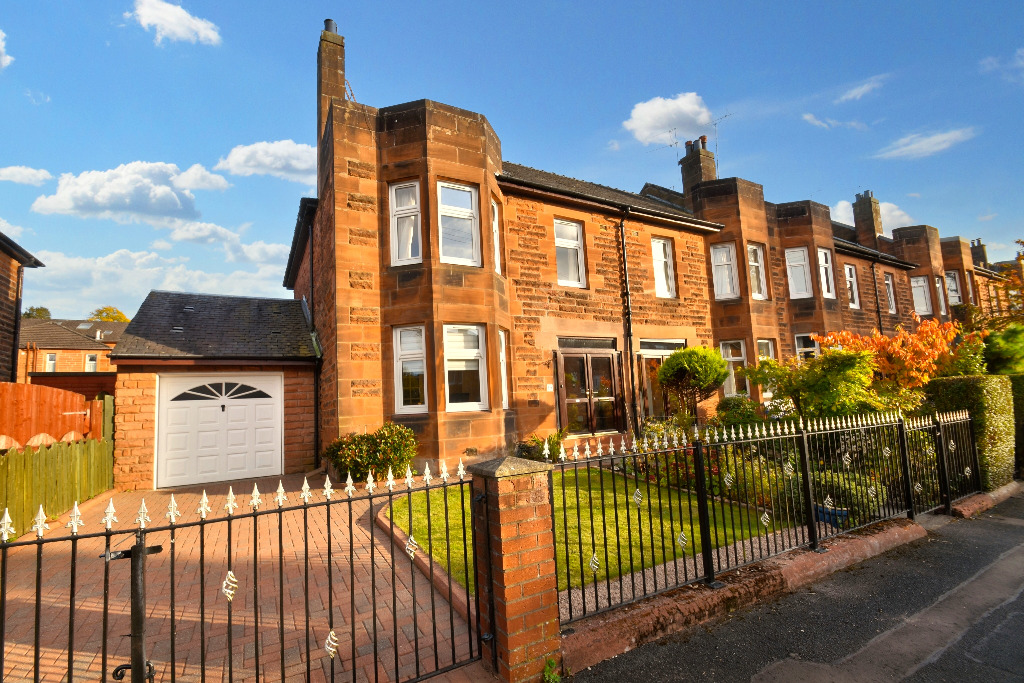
(947, 607)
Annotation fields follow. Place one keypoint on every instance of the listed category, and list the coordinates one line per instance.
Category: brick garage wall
(8, 315)
(135, 410)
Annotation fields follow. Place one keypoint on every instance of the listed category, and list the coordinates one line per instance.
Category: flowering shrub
(391, 446)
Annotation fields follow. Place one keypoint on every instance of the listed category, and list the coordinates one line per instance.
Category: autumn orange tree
(906, 361)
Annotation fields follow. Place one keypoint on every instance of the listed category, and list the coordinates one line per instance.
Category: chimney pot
(689, 146)
(330, 26)
(703, 141)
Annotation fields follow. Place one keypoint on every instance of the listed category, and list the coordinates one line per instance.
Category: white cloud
(917, 146)
(915, 195)
(5, 59)
(653, 120)
(814, 121)
(987, 217)
(613, 145)
(198, 178)
(25, 175)
(161, 245)
(860, 90)
(285, 159)
(173, 23)
(10, 230)
(832, 123)
(37, 97)
(892, 215)
(72, 285)
(1011, 69)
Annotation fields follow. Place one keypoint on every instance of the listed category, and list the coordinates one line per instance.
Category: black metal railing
(633, 520)
(299, 584)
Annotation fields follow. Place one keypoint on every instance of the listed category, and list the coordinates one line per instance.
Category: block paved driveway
(380, 592)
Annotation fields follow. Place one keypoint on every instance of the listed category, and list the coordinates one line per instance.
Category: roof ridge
(579, 180)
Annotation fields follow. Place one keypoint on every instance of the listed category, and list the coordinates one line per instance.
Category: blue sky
(150, 144)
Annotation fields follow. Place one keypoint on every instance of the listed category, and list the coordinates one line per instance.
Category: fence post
(703, 518)
(908, 484)
(108, 418)
(808, 489)
(943, 466)
(515, 575)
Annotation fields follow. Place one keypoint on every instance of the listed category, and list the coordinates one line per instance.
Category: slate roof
(49, 334)
(216, 327)
(531, 177)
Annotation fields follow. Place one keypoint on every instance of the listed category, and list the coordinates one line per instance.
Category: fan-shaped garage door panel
(218, 428)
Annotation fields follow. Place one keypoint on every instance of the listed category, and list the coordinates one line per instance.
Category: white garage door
(218, 427)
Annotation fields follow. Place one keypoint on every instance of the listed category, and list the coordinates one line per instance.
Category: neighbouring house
(13, 262)
(73, 355)
(212, 388)
(475, 300)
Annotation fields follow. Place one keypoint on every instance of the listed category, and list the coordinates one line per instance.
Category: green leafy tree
(108, 314)
(832, 384)
(36, 312)
(693, 375)
(1004, 351)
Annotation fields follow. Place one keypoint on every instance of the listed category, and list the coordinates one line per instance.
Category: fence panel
(30, 409)
(962, 466)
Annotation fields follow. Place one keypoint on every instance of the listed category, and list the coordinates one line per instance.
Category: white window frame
(402, 356)
(826, 275)
(503, 366)
(850, 270)
(458, 212)
(403, 212)
(94, 362)
(462, 354)
(922, 304)
(576, 244)
(766, 392)
(664, 263)
(496, 236)
(731, 360)
(801, 350)
(890, 290)
(51, 362)
(755, 260)
(953, 288)
(723, 272)
(940, 291)
(804, 264)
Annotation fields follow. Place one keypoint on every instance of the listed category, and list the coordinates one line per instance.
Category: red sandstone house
(73, 355)
(213, 388)
(479, 301)
(13, 262)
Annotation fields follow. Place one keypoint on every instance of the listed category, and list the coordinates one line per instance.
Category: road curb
(980, 502)
(609, 634)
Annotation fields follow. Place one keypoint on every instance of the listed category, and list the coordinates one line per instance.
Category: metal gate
(368, 585)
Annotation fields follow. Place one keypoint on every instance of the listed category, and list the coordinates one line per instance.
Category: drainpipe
(319, 360)
(628, 323)
(878, 301)
(17, 326)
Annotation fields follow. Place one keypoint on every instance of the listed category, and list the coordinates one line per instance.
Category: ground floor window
(465, 368)
(806, 347)
(589, 390)
(735, 353)
(655, 401)
(410, 370)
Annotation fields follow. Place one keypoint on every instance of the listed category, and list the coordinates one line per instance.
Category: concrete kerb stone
(980, 502)
(609, 634)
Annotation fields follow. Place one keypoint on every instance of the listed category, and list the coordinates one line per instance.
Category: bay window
(465, 368)
(459, 221)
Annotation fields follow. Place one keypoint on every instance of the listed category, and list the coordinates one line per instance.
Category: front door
(589, 385)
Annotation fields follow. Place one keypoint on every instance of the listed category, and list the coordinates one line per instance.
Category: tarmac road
(946, 608)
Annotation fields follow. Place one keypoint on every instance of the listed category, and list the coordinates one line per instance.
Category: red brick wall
(68, 360)
(8, 314)
(135, 411)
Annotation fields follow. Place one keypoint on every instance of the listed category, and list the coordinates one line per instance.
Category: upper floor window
(890, 291)
(735, 353)
(755, 263)
(51, 362)
(465, 368)
(664, 273)
(828, 289)
(953, 286)
(410, 370)
(406, 239)
(922, 297)
(851, 285)
(496, 236)
(940, 292)
(569, 253)
(798, 269)
(806, 347)
(90, 362)
(723, 269)
(457, 215)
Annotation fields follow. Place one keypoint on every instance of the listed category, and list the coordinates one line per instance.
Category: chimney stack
(979, 253)
(698, 165)
(330, 66)
(867, 219)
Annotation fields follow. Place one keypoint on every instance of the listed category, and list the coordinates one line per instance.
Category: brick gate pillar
(518, 587)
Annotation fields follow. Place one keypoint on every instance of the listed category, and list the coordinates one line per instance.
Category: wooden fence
(27, 410)
(53, 476)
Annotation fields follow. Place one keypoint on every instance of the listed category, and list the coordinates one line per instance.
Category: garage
(214, 389)
(218, 427)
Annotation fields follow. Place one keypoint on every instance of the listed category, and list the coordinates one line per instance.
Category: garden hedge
(1017, 383)
(989, 399)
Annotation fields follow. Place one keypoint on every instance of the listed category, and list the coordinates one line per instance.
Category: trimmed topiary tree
(693, 375)
(989, 400)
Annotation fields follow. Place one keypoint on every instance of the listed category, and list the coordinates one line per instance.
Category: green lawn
(604, 504)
